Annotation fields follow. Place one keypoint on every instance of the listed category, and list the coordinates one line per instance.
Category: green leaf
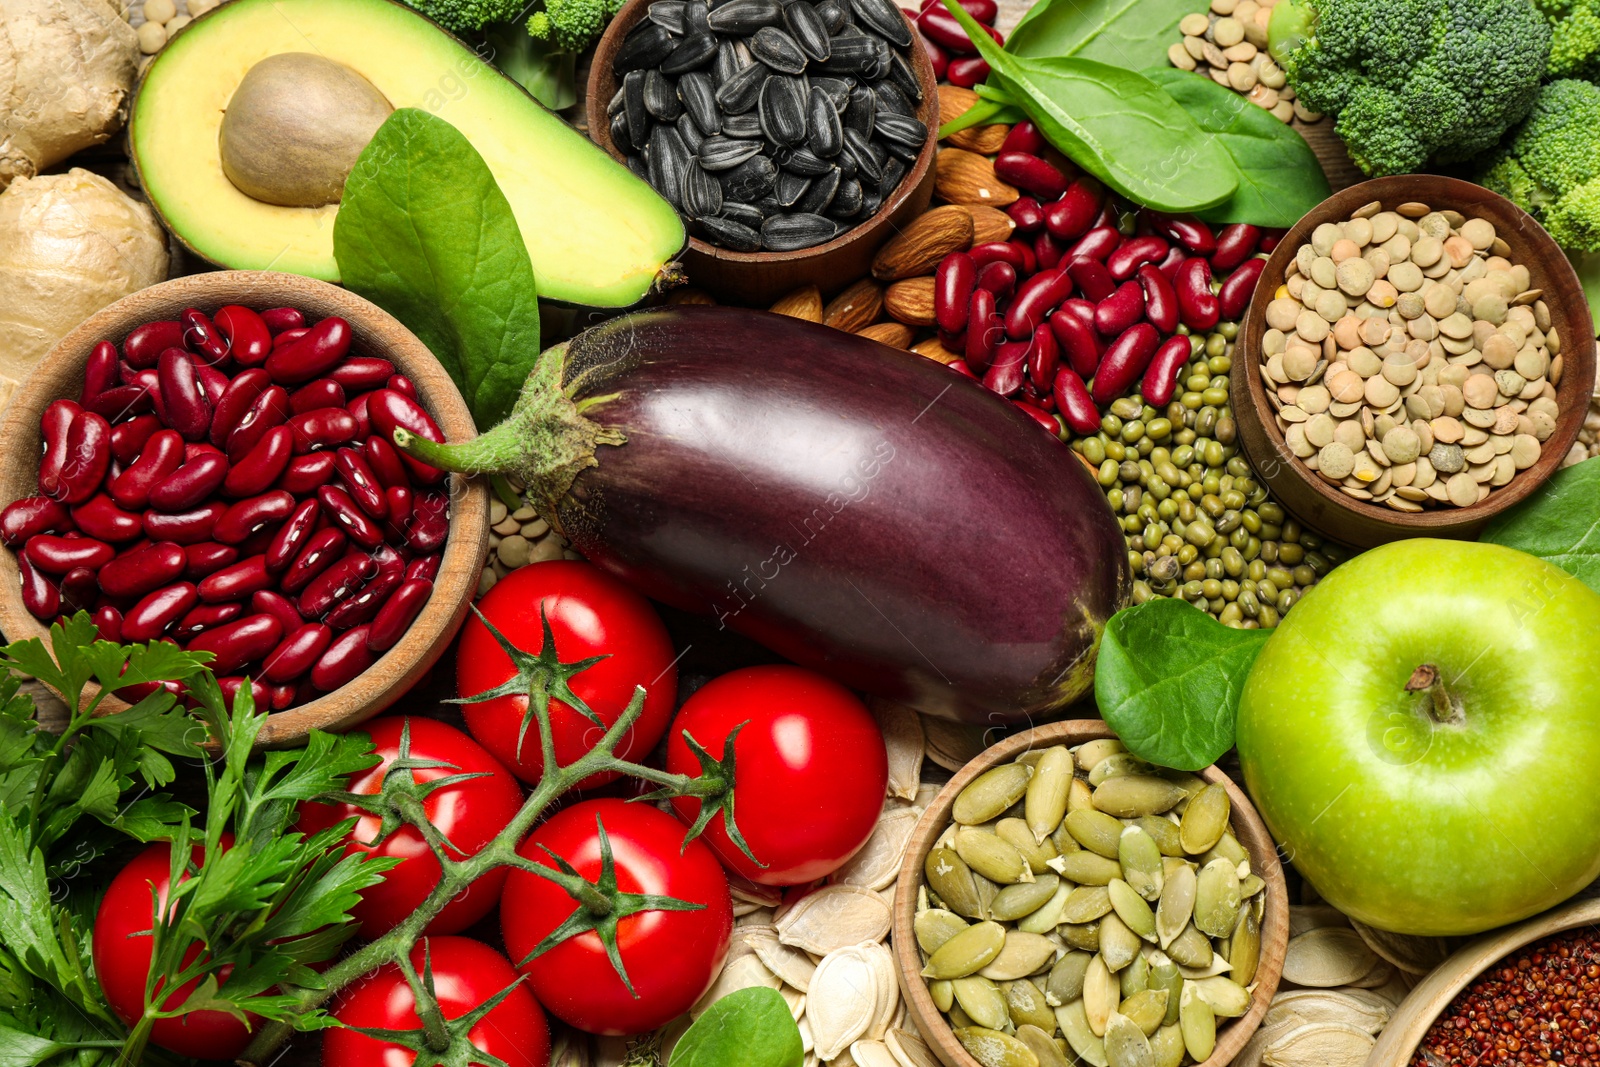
(1168, 681)
(747, 1028)
(980, 114)
(1559, 523)
(1279, 176)
(18, 1049)
(425, 233)
(1133, 34)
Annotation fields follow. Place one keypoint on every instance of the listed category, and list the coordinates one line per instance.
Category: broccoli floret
(462, 17)
(1551, 164)
(1574, 39)
(1416, 80)
(570, 25)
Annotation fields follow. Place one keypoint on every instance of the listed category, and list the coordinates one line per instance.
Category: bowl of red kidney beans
(210, 462)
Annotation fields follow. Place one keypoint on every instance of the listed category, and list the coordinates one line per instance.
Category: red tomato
(122, 962)
(466, 973)
(591, 614)
(810, 770)
(469, 814)
(671, 957)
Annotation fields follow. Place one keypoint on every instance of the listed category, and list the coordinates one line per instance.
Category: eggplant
(860, 511)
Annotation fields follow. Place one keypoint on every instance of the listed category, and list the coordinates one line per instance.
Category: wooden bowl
(1247, 827)
(1323, 507)
(759, 278)
(1433, 994)
(60, 374)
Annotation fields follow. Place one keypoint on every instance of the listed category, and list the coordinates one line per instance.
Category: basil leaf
(1279, 176)
(1168, 681)
(747, 1028)
(1125, 33)
(1559, 523)
(424, 232)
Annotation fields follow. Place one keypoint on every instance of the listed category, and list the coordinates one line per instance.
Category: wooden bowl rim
(60, 373)
(1247, 826)
(634, 11)
(1439, 988)
(1568, 306)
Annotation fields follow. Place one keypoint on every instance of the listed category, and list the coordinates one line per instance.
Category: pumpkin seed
(1328, 957)
(1090, 754)
(1095, 831)
(1191, 949)
(1048, 916)
(1198, 1023)
(1129, 796)
(1225, 997)
(1116, 765)
(790, 964)
(1142, 866)
(1065, 983)
(1147, 1009)
(1167, 1045)
(967, 952)
(1015, 833)
(1322, 1044)
(1073, 1019)
(1216, 899)
(943, 994)
(1101, 994)
(1022, 955)
(1250, 885)
(987, 796)
(1176, 906)
(1135, 977)
(1016, 901)
(1164, 832)
(1126, 1044)
(909, 1050)
(1082, 936)
(1045, 800)
(1228, 848)
(1041, 1044)
(1086, 904)
(1244, 948)
(842, 1002)
(1165, 977)
(1353, 1007)
(1086, 868)
(993, 1048)
(982, 1000)
(1132, 909)
(745, 972)
(951, 879)
(1118, 944)
(1205, 819)
(935, 926)
(1412, 954)
(991, 857)
(1027, 1005)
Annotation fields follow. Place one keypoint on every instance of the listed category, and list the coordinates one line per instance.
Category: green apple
(1422, 736)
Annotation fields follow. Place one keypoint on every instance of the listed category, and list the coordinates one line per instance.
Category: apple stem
(1446, 709)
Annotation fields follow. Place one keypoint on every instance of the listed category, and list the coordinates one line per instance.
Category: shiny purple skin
(872, 517)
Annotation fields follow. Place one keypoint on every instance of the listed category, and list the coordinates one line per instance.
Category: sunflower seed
(855, 54)
(747, 214)
(842, 1000)
(833, 917)
(702, 193)
(634, 108)
(790, 188)
(847, 201)
(620, 136)
(838, 89)
(667, 14)
(645, 46)
(669, 159)
(892, 100)
(827, 135)
(902, 75)
(614, 106)
(691, 52)
(639, 167)
(1328, 957)
(860, 111)
(808, 164)
(726, 64)
(778, 50)
(783, 110)
(746, 126)
(726, 153)
(732, 235)
(745, 16)
(834, 14)
(741, 92)
(968, 952)
(807, 29)
(699, 99)
(890, 174)
(820, 195)
(856, 146)
(884, 17)
(690, 132)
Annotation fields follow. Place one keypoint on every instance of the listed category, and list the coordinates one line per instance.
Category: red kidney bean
(1171, 262)
(363, 605)
(1237, 289)
(1161, 377)
(1186, 230)
(998, 252)
(235, 402)
(129, 438)
(206, 557)
(187, 527)
(322, 393)
(428, 566)
(139, 570)
(200, 619)
(54, 425)
(343, 513)
(1071, 216)
(943, 30)
(1035, 299)
(185, 406)
(288, 337)
(1269, 241)
(1092, 278)
(108, 624)
(952, 290)
(313, 355)
(1046, 421)
(231, 685)
(389, 410)
(937, 57)
(981, 341)
(358, 408)
(323, 428)
(58, 555)
(101, 519)
(200, 336)
(384, 459)
(398, 613)
(1031, 174)
(137, 692)
(1235, 244)
(273, 603)
(1160, 299)
(344, 659)
(353, 570)
(213, 381)
(1080, 307)
(360, 481)
(267, 412)
(247, 516)
(1030, 261)
(31, 516)
(248, 338)
(1097, 244)
(296, 653)
(966, 71)
(1109, 216)
(237, 581)
(238, 643)
(191, 483)
(78, 590)
(430, 524)
(199, 448)
(362, 372)
(1124, 360)
(1198, 306)
(1024, 137)
(321, 551)
(401, 384)
(144, 345)
(985, 11)
(293, 534)
(1073, 402)
(123, 400)
(1026, 213)
(999, 278)
(100, 372)
(960, 367)
(39, 594)
(1005, 374)
(280, 697)
(1134, 251)
(1047, 250)
(262, 465)
(1043, 354)
(278, 320)
(161, 455)
(305, 473)
(150, 617)
(397, 502)
(87, 457)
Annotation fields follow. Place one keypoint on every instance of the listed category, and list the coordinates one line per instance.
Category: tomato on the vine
(630, 880)
(122, 957)
(467, 975)
(809, 770)
(468, 813)
(592, 617)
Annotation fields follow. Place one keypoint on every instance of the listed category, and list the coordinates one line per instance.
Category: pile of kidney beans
(1071, 312)
(954, 57)
(229, 484)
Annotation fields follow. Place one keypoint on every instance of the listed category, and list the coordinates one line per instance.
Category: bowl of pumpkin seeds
(1062, 902)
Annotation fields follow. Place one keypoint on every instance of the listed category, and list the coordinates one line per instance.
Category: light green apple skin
(1405, 824)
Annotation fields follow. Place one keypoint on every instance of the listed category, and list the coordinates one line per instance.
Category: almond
(985, 140)
(919, 247)
(935, 351)
(990, 224)
(854, 308)
(689, 296)
(804, 303)
(962, 177)
(954, 102)
(892, 334)
(911, 301)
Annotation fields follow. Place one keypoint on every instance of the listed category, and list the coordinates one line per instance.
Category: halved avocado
(597, 235)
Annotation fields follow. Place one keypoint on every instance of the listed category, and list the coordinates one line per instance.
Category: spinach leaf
(1560, 523)
(748, 1028)
(1279, 176)
(980, 114)
(1168, 681)
(425, 233)
(1125, 33)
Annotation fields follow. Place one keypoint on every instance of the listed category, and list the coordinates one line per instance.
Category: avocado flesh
(596, 234)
